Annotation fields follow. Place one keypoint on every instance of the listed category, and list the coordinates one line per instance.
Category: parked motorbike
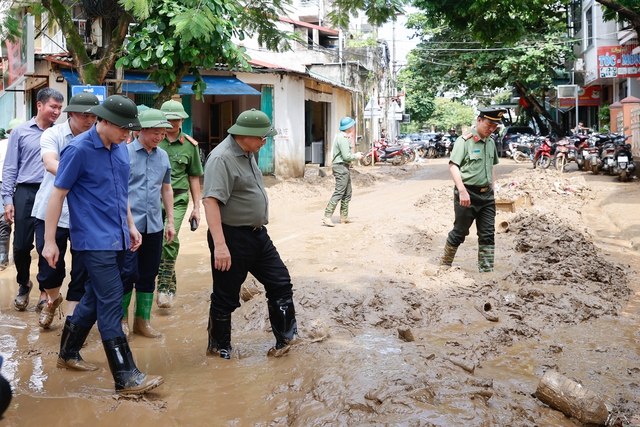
(520, 151)
(436, 148)
(543, 153)
(582, 143)
(624, 166)
(565, 153)
(395, 154)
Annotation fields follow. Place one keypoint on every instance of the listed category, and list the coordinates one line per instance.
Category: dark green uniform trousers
(483, 211)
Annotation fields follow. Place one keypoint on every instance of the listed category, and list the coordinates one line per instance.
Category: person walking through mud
(93, 175)
(237, 209)
(52, 142)
(342, 158)
(5, 226)
(186, 169)
(471, 166)
(149, 190)
(22, 174)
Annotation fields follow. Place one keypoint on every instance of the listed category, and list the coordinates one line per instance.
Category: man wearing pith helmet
(149, 190)
(52, 142)
(237, 211)
(186, 169)
(342, 158)
(93, 175)
(471, 166)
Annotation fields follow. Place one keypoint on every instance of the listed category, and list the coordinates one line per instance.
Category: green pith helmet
(174, 110)
(152, 118)
(141, 108)
(253, 123)
(81, 103)
(119, 110)
(346, 123)
(13, 123)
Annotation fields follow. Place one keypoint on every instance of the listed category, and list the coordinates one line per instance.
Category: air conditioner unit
(579, 65)
(567, 91)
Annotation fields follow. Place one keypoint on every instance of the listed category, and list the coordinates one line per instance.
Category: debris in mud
(469, 367)
(405, 334)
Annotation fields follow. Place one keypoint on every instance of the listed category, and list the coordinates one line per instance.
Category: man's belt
(250, 228)
(179, 191)
(478, 189)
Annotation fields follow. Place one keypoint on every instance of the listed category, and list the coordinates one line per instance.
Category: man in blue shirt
(93, 175)
(149, 179)
(52, 142)
(21, 177)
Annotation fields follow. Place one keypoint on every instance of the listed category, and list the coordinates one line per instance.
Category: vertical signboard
(20, 55)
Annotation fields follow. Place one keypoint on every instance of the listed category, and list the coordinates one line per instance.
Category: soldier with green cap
(237, 210)
(342, 158)
(149, 190)
(186, 169)
(93, 175)
(471, 166)
(52, 142)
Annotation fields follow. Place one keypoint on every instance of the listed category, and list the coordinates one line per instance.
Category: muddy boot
(344, 212)
(219, 330)
(282, 315)
(126, 300)
(49, 311)
(173, 283)
(328, 213)
(141, 325)
(448, 256)
(164, 278)
(128, 379)
(21, 301)
(486, 255)
(73, 338)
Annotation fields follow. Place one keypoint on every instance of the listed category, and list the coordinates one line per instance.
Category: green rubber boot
(449, 255)
(126, 300)
(141, 326)
(486, 255)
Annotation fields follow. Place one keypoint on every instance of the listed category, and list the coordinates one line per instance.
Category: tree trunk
(537, 111)
(623, 12)
(168, 91)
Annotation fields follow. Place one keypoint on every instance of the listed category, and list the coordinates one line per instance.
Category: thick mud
(387, 337)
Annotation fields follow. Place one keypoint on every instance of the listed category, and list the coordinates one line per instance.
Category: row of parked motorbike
(397, 154)
(597, 152)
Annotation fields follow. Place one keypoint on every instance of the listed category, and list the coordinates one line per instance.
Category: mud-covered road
(565, 291)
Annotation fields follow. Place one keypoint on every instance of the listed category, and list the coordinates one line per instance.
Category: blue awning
(216, 85)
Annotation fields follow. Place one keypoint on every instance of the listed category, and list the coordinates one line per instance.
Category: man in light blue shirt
(149, 179)
(52, 142)
(22, 174)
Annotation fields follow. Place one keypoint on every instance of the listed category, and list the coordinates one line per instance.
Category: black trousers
(252, 251)
(24, 231)
(482, 210)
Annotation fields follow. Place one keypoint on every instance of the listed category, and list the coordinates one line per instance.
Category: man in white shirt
(52, 142)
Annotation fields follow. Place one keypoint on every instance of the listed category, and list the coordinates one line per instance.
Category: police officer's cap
(253, 123)
(81, 103)
(119, 110)
(152, 118)
(174, 110)
(493, 114)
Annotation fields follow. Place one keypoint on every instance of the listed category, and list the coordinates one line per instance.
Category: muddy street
(565, 293)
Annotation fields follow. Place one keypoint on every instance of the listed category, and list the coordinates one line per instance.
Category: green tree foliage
(481, 47)
(377, 11)
(178, 38)
(419, 96)
(449, 113)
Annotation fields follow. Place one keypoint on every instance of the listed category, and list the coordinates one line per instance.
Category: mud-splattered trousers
(343, 191)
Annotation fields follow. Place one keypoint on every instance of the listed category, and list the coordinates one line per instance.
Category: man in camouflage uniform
(471, 166)
(186, 169)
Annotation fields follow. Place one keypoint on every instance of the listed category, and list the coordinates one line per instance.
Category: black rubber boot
(282, 316)
(128, 379)
(72, 340)
(219, 335)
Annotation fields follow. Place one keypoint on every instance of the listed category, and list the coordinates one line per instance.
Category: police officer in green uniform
(186, 169)
(471, 166)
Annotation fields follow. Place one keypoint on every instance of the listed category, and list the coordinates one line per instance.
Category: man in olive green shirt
(471, 166)
(186, 169)
(342, 157)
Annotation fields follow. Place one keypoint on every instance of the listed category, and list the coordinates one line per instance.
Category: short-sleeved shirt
(342, 149)
(22, 163)
(234, 179)
(53, 140)
(149, 170)
(98, 182)
(185, 160)
(475, 157)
